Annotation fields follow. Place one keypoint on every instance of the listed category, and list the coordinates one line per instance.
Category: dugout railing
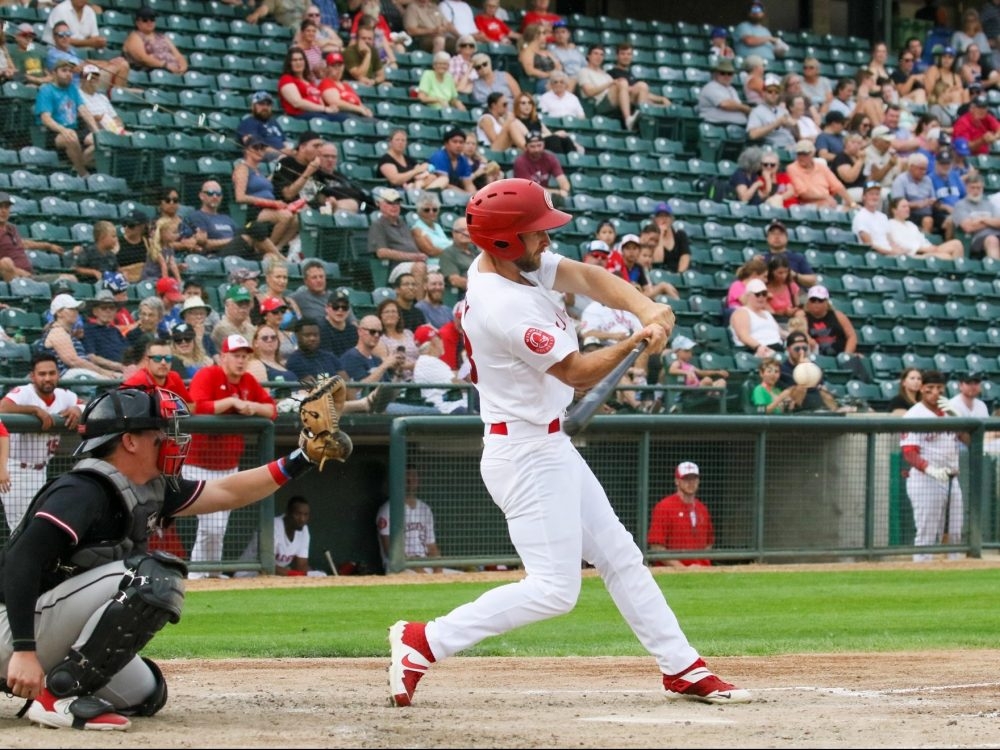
(780, 489)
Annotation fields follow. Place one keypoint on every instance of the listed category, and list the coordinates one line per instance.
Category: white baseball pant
(557, 514)
(24, 485)
(211, 532)
(928, 499)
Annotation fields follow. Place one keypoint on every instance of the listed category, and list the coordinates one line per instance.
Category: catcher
(80, 595)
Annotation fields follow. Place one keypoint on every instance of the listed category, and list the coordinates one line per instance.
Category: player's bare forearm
(584, 371)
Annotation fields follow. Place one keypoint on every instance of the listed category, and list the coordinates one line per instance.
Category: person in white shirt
(419, 541)
(908, 239)
(462, 17)
(98, 103)
(966, 403)
(870, 225)
(430, 368)
(291, 543)
(81, 20)
(559, 100)
(30, 451)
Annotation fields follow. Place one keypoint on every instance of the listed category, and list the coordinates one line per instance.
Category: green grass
(722, 614)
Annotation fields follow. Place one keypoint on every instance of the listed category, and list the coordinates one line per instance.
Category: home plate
(657, 720)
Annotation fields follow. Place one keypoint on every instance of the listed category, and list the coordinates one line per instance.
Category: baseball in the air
(808, 374)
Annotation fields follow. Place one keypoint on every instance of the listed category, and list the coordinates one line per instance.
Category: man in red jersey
(225, 388)
(155, 372)
(681, 521)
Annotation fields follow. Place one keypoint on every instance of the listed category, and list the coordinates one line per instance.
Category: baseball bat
(946, 536)
(581, 414)
(329, 561)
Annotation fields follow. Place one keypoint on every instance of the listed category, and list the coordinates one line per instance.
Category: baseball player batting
(526, 363)
(932, 486)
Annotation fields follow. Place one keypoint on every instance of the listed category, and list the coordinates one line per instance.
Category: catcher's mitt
(321, 438)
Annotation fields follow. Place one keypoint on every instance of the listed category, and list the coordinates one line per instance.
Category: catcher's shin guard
(156, 700)
(151, 594)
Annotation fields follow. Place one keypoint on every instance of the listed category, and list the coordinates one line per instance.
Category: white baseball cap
(682, 342)
(62, 301)
(629, 238)
(234, 343)
(756, 285)
(686, 469)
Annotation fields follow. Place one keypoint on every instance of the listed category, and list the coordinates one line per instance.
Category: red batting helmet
(500, 212)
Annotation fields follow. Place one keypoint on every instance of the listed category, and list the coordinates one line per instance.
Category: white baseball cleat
(698, 683)
(76, 712)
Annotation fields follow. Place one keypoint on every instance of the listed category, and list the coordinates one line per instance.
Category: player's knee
(561, 595)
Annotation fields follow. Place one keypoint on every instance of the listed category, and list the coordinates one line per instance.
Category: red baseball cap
(234, 343)
(270, 304)
(424, 333)
(171, 288)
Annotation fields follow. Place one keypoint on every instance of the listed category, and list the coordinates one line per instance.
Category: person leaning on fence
(30, 452)
(932, 483)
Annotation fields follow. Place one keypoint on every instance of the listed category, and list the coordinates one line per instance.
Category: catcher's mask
(115, 412)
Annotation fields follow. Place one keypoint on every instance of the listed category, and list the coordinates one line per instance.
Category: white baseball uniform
(557, 511)
(978, 408)
(30, 451)
(928, 496)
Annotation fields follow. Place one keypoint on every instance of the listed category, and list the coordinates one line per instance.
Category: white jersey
(35, 448)
(937, 448)
(285, 549)
(433, 370)
(516, 333)
(978, 409)
(419, 529)
(598, 317)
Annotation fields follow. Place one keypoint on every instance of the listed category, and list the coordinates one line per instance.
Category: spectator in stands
(216, 234)
(770, 120)
(432, 305)
(829, 327)
(870, 225)
(456, 259)
(904, 141)
(977, 216)
(536, 59)
(14, 261)
(293, 176)
(497, 124)
(718, 44)
(849, 165)
(608, 95)
(804, 115)
(236, 315)
(189, 356)
(541, 166)
(390, 238)
(975, 69)
(299, 96)
(673, 247)
(149, 327)
(559, 101)
(638, 91)
(252, 189)
(814, 183)
(748, 181)
(27, 57)
(401, 171)
(911, 380)
(754, 268)
(752, 326)
(311, 297)
(461, 15)
(916, 187)
(949, 189)
(843, 98)
(60, 111)
(431, 368)
(970, 33)
(338, 190)
(196, 315)
(273, 312)
(830, 141)
(306, 39)
(719, 101)
(429, 235)
(767, 397)
(98, 103)
(450, 160)
(327, 37)
(489, 80)
(100, 256)
(407, 293)
(386, 43)
(310, 362)
(882, 162)
(437, 88)
(79, 19)
(977, 126)
(816, 86)
(103, 341)
(397, 335)
(782, 292)
(268, 362)
(686, 372)
(117, 284)
(460, 65)
(526, 112)
(909, 81)
(69, 350)
(570, 56)
(492, 27)
(752, 37)
(287, 13)
(263, 126)
(751, 79)
(146, 48)
(168, 290)
(276, 285)
(777, 244)
(428, 27)
(803, 399)
(538, 11)
(167, 236)
(362, 365)
(337, 331)
(626, 264)
(945, 92)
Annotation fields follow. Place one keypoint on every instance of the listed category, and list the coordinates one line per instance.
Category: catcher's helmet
(499, 213)
(116, 412)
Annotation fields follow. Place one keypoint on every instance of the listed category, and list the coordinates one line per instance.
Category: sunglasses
(760, 294)
(769, 164)
(724, 73)
(373, 331)
(185, 340)
(429, 210)
(161, 357)
(466, 44)
(174, 199)
(64, 34)
(481, 66)
(342, 307)
(267, 338)
(799, 348)
(213, 193)
(817, 299)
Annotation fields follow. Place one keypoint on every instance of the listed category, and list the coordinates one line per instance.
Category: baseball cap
(64, 63)
(405, 267)
(872, 185)
(971, 377)
(238, 293)
(629, 238)
(469, 39)
(772, 79)
(723, 65)
(424, 333)
(194, 303)
(90, 70)
(26, 28)
(944, 156)
(5, 199)
(663, 208)
(116, 281)
(805, 146)
(818, 292)
(104, 295)
(756, 285)
(777, 224)
(881, 131)
(171, 288)
(339, 296)
(795, 337)
(63, 301)
(145, 13)
(234, 343)
(334, 58)
(961, 146)
(686, 469)
(452, 133)
(182, 331)
(719, 33)
(980, 101)
(682, 342)
(389, 195)
(134, 218)
(261, 96)
(598, 246)
(270, 304)
(534, 135)
(948, 51)
(560, 24)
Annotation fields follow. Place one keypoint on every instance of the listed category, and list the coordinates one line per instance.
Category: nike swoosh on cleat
(407, 664)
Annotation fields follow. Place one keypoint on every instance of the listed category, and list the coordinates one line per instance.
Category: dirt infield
(907, 700)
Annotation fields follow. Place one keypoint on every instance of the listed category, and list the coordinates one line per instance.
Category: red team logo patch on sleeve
(538, 341)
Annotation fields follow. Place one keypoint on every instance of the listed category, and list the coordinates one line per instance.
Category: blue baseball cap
(961, 146)
(719, 33)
